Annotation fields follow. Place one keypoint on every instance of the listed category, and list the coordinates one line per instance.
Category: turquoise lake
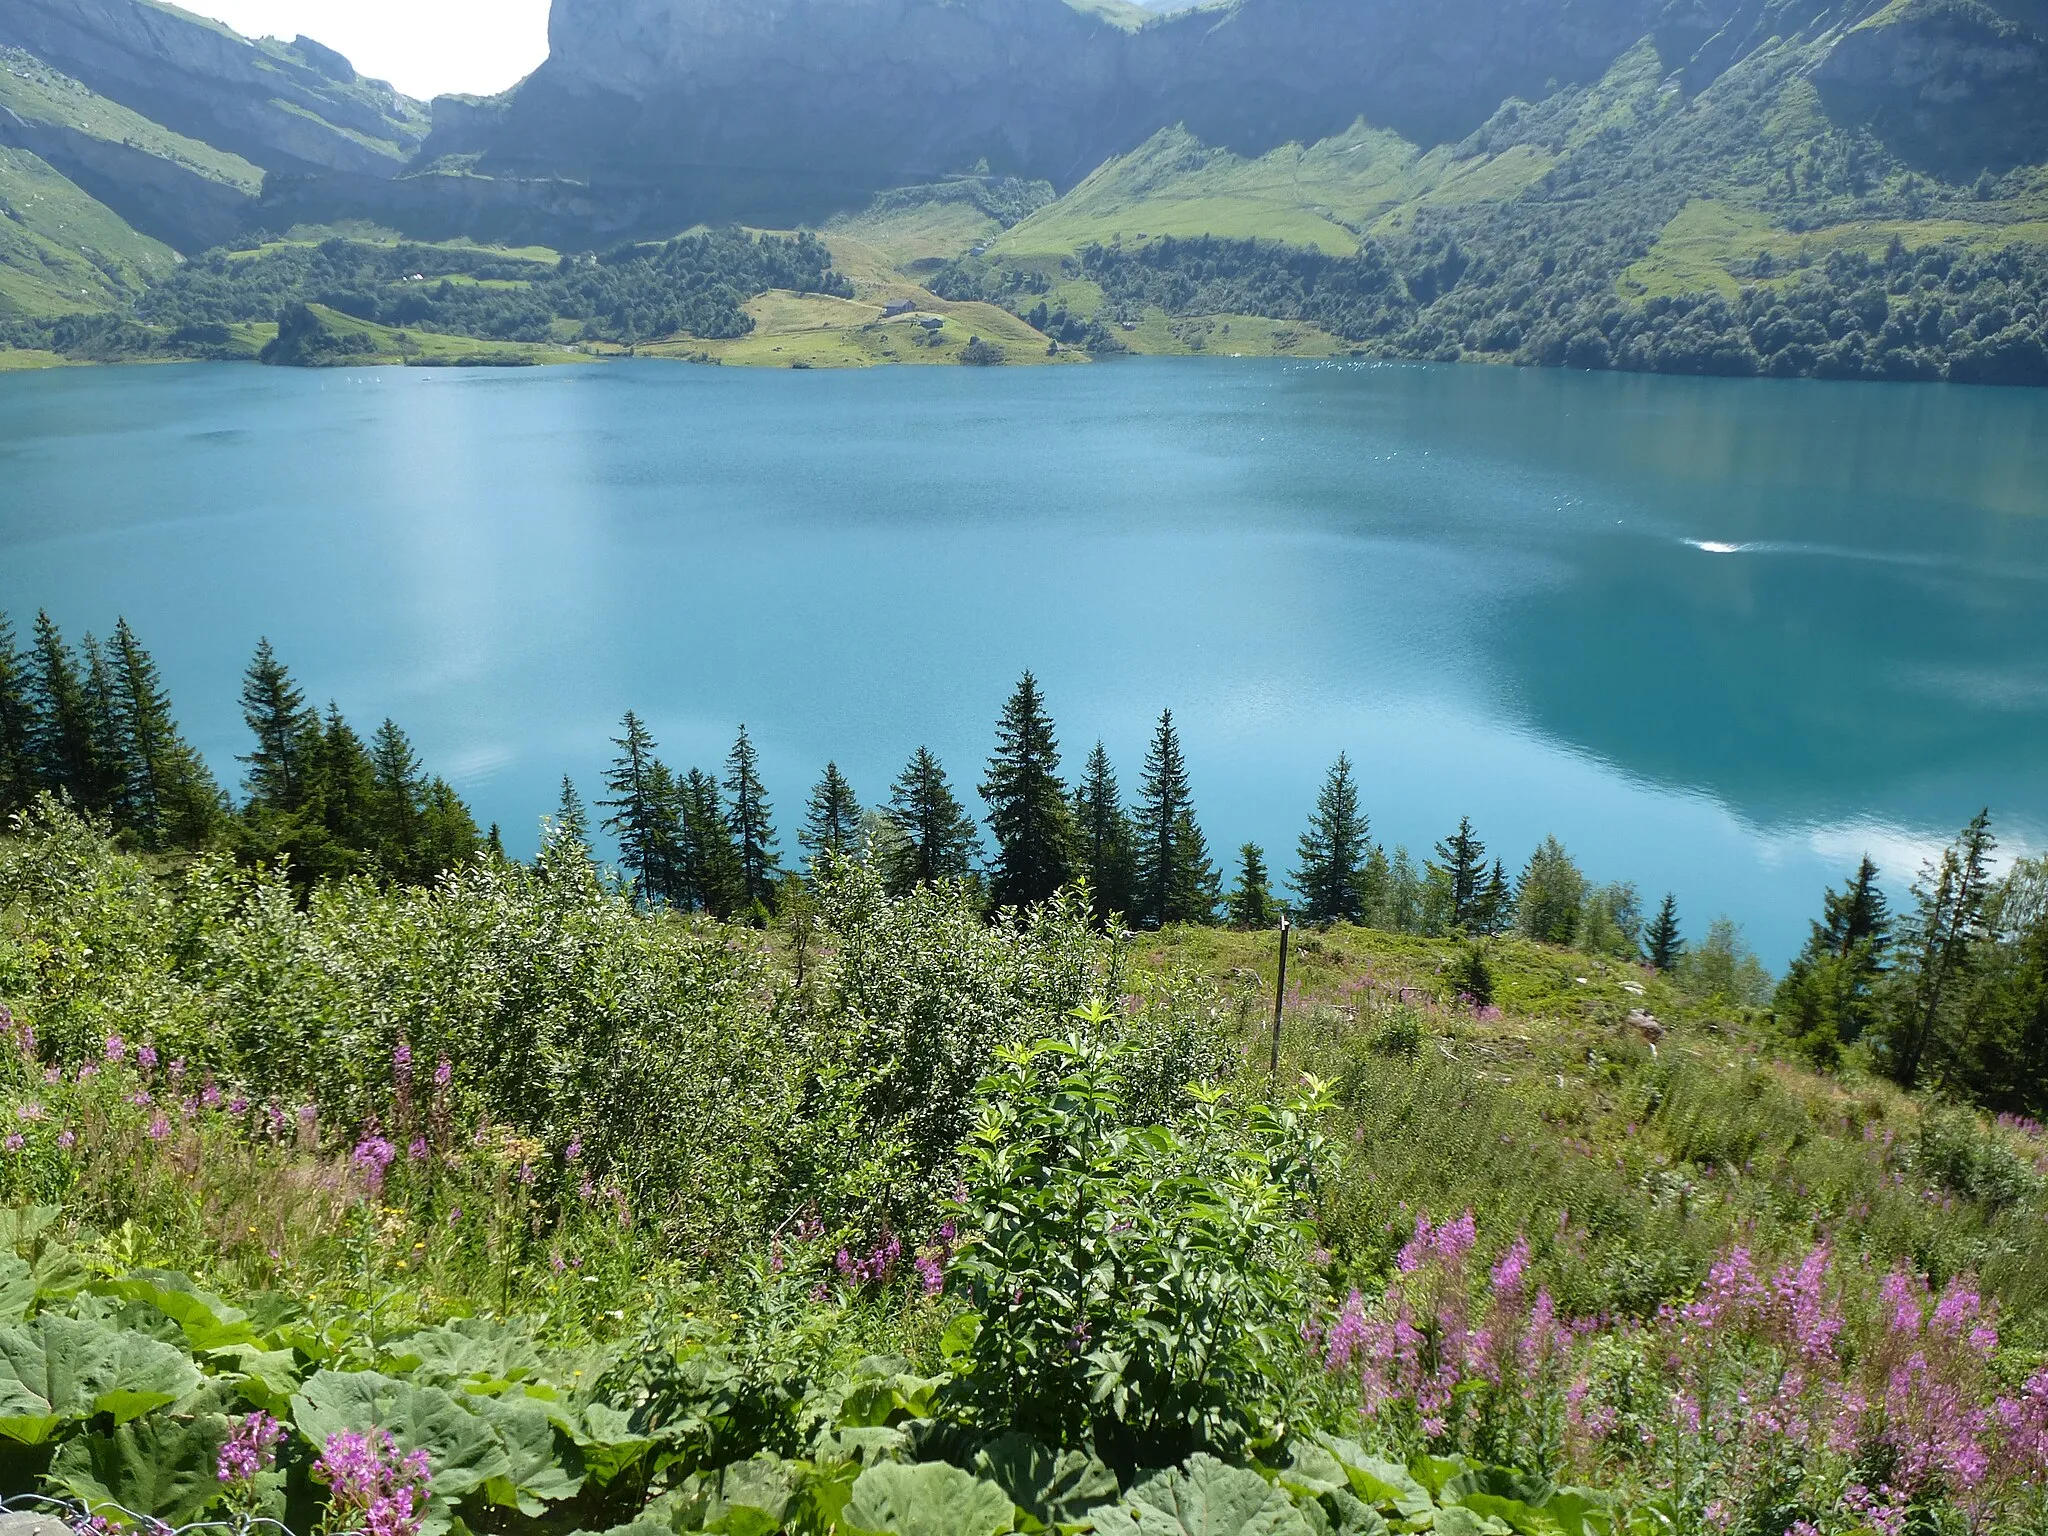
(1720, 637)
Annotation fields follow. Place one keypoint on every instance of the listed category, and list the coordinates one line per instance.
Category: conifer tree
(1250, 903)
(753, 831)
(108, 793)
(1462, 858)
(279, 769)
(61, 736)
(571, 819)
(1550, 895)
(708, 874)
(1829, 995)
(636, 818)
(936, 838)
(1404, 895)
(1376, 888)
(1102, 835)
(1496, 910)
(1027, 803)
(396, 823)
(448, 833)
(17, 758)
(172, 797)
(1859, 915)
(831, 818)
(1948, 925)
(1662, 944)
(351, 796)
(1331, 854)
(1175, 881)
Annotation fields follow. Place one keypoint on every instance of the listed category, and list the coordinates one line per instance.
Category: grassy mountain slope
(60, 251)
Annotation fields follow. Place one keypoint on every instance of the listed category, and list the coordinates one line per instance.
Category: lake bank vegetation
(935, 1179)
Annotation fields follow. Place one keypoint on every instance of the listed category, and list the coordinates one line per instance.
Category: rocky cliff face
(279, 107)
(868, 93)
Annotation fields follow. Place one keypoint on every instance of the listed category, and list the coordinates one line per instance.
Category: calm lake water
(1720, 637)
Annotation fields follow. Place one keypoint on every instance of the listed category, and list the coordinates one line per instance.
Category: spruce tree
(61, 737)
(1027, 803)
(108, 793)
(752, 820)
(708, 872)
(1250, 903)
(1496, 909)
(572, 821)
(396, 823)
(831, 819)
(1175, 881)
(1858, 915)
(1462, 859)
(1331, 854)
(1661, 944)
(1376, 889)
(285, 730)
(17, 758)
(172, 796)
(1102, 837)
(351, 797)
(636, 818)
(1947, 927)
(448, 833)
(936, 838)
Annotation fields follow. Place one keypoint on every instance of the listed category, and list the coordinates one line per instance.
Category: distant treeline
(1936, 312)
(1955, 991)
(696, 284)
(95, 726)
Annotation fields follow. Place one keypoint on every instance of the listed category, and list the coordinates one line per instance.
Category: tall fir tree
(709, 867)
(572, 821)
(351, 796)
(61, 736)
(279, 770)
(1829, 997)
(1330, 858)
(753, 823)
(935, 837)
(831, 819)
(173, 799)
(1250, 902)
(108, 793)
(1102, 837)
(1857, 915)
(1663, 945)
(1175, 881)
(449, 837)
(637, 813)
(1028, 815)
(397, 818)
(1495, 912)
(17, 758)
(1947, 928)
(1462, 858)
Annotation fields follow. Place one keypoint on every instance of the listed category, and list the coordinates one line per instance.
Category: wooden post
(1279, 1001)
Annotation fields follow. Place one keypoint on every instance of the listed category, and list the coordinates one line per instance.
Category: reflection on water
(1720, 637)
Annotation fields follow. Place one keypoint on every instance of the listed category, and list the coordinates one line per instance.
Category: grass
(23, 360)
(383, 345)
(61, 251)
(1158, 334)
(904, 239)
(1711, 245)
(1322, 195)
(809, 330)
(34, 91)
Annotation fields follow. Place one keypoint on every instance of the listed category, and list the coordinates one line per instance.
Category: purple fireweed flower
(372, 1483)
(418, 1149)
(251, 1448)
(574, 1150)
(66, 1140)
(145, 1058)
(372, 1159)
(14, 1142)
(116, 1048)
(210, 1094)
(443, 1072)
(159, 1128)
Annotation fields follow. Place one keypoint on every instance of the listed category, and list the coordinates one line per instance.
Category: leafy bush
(1131, 1283)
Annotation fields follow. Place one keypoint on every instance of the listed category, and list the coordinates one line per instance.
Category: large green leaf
(17, 1287)
(1050, 1489)
(469, 1351)
(928, 1499)
(749, 1498)
(1386, 1485)
(464, 1452)
(1462, 1520)
(1207, 1499)
(208, 1322)
(20, 1225)
(155, 1466)
(58, 1369)
(543, 1472)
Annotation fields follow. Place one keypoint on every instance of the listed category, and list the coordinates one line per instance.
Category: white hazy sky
(424, 47)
